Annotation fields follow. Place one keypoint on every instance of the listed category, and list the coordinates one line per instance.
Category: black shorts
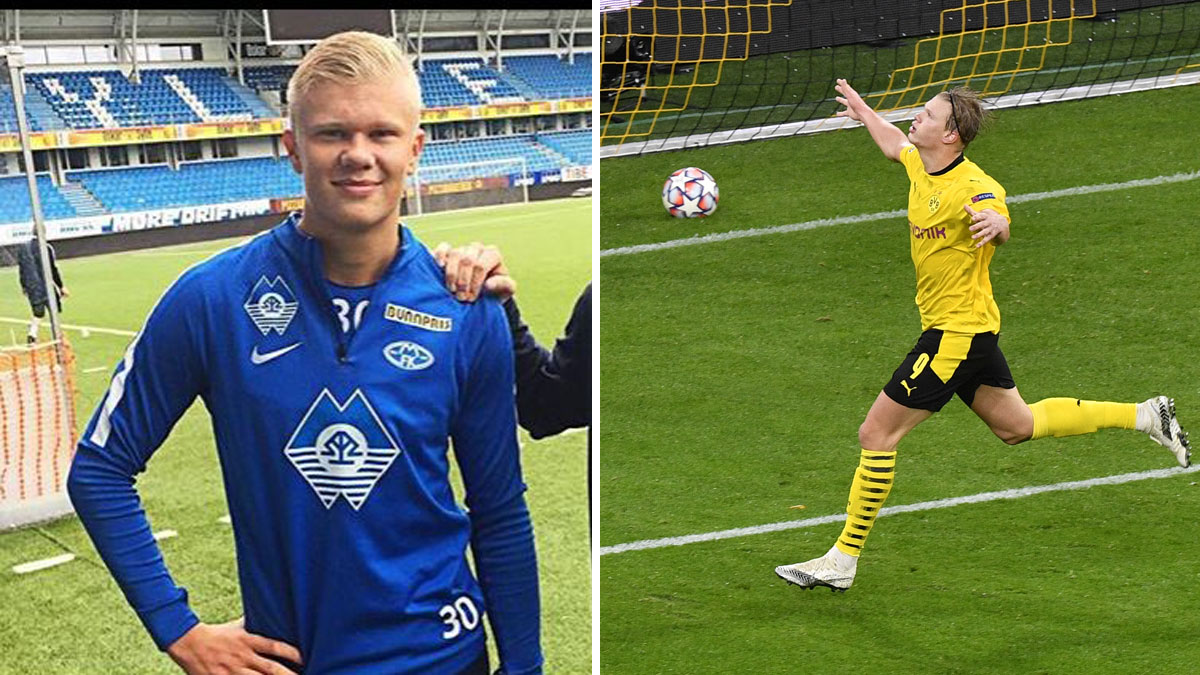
(479, 666)
(943, 364)
(39, 308)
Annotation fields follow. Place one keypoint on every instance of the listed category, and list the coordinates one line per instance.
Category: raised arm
(886, 135)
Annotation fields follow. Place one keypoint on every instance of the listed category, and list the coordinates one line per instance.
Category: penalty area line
(884, 215)
(44, 563)
(1015, 493)
(81, 329)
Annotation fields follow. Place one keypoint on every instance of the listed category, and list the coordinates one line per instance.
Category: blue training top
(333, 447)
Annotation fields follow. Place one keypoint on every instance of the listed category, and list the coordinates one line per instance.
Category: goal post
(37, 432)
(440, 187)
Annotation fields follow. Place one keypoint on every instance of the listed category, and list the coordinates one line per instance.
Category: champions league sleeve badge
(341, 449)
(271, 305)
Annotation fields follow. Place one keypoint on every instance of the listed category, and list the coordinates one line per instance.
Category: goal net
(37, 431)
(439, 187)
(689, 73)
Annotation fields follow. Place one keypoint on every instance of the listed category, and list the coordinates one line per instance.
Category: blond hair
(354, 57)
(967, 111)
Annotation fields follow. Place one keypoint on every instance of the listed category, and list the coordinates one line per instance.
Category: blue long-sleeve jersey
(333, 449)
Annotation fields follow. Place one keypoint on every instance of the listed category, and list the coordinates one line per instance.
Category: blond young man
(336, 366)
(957, 218)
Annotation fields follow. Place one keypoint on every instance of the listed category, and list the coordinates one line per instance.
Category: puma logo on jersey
(259, 359)
(910, 390)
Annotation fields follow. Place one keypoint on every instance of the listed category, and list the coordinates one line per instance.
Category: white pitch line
(883, 215)
(68, 326)
(97, 369)
(1015, 493)
(225, 519)
(165, 534)
(45, 563)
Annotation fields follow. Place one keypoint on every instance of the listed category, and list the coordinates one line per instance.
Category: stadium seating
(106, 98)
(14, 200)
(158, 187)
(268, 78)
(8, 113)
(469, 81)
(551, 77)
(575, 145)
(441, 153)
(144, 188)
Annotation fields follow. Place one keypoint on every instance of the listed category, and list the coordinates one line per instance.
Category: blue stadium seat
(210, 182)
(552, 77)
(153, 101)
(575, 145)
(537, 156)
(548, 76)
(14, 200)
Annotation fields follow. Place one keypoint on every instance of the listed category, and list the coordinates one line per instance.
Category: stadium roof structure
(20, 25)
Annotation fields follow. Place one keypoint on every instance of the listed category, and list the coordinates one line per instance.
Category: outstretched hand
(472, 268)
(987, 225)
(856, 107)
(228, 648)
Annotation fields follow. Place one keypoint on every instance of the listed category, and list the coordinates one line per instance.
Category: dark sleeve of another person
(58, 282)
(554, 388)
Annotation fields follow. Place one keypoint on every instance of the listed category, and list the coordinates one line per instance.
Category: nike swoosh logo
(259, 359)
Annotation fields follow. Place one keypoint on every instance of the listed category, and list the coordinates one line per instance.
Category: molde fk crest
(271, 305)
(341, 449)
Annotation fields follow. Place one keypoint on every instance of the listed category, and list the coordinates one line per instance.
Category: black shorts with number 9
(945, 363)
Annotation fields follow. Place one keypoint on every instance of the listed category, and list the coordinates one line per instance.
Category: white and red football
(690, 193)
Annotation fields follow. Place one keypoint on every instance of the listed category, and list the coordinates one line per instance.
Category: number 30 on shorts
(459, 615)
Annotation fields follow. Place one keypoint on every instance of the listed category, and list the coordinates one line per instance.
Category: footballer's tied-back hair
(354, 57)
(967, 113)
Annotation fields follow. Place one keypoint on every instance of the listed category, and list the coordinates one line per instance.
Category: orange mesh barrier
(37, 430)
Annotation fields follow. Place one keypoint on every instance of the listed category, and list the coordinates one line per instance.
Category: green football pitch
(736, 370)
(73, 618)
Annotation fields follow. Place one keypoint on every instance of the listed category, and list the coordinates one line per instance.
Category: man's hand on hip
(227, 648)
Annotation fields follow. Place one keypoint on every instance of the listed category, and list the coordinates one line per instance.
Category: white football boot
(834, 570)
(1157, 418)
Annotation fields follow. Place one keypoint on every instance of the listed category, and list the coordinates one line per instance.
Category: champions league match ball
(690, 193)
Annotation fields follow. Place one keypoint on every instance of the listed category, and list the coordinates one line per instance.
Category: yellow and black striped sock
(1060, 417)
(872, 483)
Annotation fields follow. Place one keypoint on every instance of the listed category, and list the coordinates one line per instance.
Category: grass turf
(735, 376)
(73, 618)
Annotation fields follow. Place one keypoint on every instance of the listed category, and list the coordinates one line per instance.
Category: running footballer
(957, 216)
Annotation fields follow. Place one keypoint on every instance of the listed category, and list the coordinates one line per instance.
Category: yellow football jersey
(954, 291)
